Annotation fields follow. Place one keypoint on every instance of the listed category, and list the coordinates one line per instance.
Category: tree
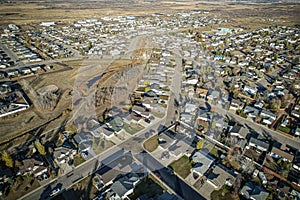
(9, 162)
(40, 147)
(213, 124)
(199, 144)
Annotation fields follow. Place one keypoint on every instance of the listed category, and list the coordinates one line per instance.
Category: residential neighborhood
(181, 105)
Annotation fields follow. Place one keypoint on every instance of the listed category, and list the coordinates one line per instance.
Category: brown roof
(202, 91)
(282, 153)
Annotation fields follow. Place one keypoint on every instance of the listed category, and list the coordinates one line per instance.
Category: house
(295, 113)
(201, 92)
(180, 148)
(83, 140)
(236, 105)
(186, 117)
(259, 143)
(238, 131)
(32, 166)
(220, 176)
(268, 117)
(205, 116)
(125, 185)
(140, 110)
(190, 108)
(63, 154)
(214, 95)
(251, 191)
(203, 162)
(258, 105)
(250, 90)
(251, 111)
(280, 151)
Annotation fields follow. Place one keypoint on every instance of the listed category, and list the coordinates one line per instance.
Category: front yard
(132, 128)
(78, 159)
(182, 166)
(101, 145)
(151, 144)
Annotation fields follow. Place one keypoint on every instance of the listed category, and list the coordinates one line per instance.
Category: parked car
(54, 192)
(255, 173)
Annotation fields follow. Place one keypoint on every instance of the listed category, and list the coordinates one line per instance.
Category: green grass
(157, 114)
(211, 149)
(151, 144)
(132, 128)
(149, 186)
(78, 159)
(182, 166)
(284, 129)
(222, 194)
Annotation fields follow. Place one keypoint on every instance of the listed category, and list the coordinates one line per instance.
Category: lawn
(151, 144)
(132, 128)
(101, 145)
(222, 194)
(149, 186)
(157, 114)
(211, 149)
(284, 129)
(182, 166)
(78, 159)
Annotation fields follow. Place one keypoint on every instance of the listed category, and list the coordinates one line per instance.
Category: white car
(255, 173)
(54, 192)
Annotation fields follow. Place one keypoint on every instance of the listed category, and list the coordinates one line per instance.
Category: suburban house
(220, 176)
(180, 148)
(251, 111)
(205, 116)
(281, 151)
(201, 92)
(239, 134)
(258, 143)
(236, 105)
(250, 90)
(83, 140)
(63, 154)
(267, 117)
(125, 185)
(214, 95)
(251, 191)
(203, 162)
(32, 166)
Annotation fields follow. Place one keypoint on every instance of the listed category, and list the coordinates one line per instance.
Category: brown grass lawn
(151, 144)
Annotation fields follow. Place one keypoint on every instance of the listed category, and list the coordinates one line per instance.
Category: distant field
(34, 11)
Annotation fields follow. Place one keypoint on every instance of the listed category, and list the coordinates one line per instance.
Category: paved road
(172, 180)
(92, 165)
(248, 123)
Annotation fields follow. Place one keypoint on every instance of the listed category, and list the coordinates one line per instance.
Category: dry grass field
(22, 12)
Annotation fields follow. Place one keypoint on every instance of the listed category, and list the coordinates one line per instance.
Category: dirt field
(36, 11)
